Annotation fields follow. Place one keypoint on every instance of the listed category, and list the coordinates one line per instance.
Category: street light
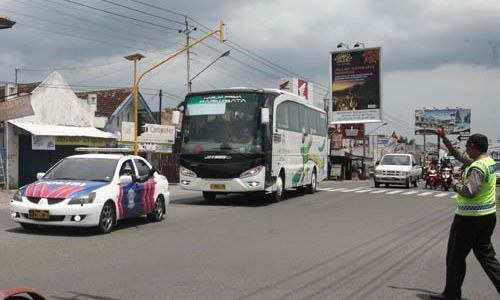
(359, 44)
(190, 82)
(6, 22)
(220, 31)
(135, 58)
(340, 45)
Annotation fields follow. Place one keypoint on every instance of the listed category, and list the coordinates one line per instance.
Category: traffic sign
(463, 137)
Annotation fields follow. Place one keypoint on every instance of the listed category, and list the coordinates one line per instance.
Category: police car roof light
(103, 150)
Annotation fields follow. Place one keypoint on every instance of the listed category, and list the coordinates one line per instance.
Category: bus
(243, 140)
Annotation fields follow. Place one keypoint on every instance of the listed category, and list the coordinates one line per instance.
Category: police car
(92, 190)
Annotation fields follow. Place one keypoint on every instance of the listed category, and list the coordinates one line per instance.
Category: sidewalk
(6, 195)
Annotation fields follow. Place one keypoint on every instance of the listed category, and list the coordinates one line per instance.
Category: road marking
(363, 191)
(351, 190)
(409, 193)
(332, 189)
(378, 191)
(394, 192)
(425, 194)
(442, 194)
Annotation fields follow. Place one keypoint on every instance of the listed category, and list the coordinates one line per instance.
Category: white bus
(244, 140)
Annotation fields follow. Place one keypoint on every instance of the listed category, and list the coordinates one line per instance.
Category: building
(59, 122)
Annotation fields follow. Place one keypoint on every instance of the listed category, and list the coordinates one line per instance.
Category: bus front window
(222, 122)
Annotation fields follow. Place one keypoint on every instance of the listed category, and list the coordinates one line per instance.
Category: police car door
(147, 186)
(130, 195)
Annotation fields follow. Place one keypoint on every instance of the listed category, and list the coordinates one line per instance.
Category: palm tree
(404, 140)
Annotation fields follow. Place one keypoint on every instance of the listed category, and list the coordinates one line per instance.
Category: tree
(404, 140)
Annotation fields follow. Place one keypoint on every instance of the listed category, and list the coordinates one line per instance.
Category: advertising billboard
(352, 131)
(453, 121)
(355, 78)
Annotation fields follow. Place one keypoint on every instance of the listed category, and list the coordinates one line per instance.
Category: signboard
(355, 79)
(39, 142)
(453, 121)
(297, 86)
(16, 108)
(352, 131)
(336, 141)
(148, 147)
(153, 133)
(83, 141)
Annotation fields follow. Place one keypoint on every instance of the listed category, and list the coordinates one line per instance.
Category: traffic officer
(475, 216)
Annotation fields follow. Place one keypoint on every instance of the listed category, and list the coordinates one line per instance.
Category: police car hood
(60, 188)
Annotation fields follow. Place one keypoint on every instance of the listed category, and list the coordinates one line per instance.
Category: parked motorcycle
(432, 179)
(446, 178)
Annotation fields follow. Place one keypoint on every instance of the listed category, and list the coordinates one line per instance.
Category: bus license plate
(39, 214)
(217, 186)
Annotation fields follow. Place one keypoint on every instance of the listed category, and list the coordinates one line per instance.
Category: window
(294, 117)
(282, 116)
(142, 167)
(127, 165)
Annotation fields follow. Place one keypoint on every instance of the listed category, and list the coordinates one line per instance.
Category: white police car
(92, 190)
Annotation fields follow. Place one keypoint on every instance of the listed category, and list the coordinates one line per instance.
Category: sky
(435, 53)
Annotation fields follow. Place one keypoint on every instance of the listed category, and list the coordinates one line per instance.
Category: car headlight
(251, 172)
(187, 172)
(17, 196)
(83, 199)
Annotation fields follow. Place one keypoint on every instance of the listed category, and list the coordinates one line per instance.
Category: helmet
(127, 167)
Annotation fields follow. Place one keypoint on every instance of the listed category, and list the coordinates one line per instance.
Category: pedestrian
(475, 216)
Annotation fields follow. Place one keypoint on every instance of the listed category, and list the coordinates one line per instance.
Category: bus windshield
(222, 122)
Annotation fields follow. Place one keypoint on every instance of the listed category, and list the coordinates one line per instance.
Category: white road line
(378, 191)
(442, 194)
(425, 194)
(394, 192)
(409, 193)
(351, 190)
(331, 189)
(363, 191)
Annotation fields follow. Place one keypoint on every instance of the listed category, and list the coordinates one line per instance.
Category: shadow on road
(78, 231)
(424, 296)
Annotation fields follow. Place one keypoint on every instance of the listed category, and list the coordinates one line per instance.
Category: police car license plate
(217, 186)
(39, 214)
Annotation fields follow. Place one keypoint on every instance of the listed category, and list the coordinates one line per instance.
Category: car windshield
(397, 160)
(95, 169)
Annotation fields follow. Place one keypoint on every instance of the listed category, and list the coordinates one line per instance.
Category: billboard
(355, 78)
(453, 121)
(352, 131)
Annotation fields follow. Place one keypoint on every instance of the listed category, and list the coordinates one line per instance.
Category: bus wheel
(311, 189)
(209, 196)
(277, 195)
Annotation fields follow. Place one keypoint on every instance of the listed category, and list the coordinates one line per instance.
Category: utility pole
(160, 95)
(187, 31)
(15, 77)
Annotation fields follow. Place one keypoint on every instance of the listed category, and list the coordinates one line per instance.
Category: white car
(397, 169)
(92, 190)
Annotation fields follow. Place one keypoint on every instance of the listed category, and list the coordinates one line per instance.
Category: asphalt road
(344, 242)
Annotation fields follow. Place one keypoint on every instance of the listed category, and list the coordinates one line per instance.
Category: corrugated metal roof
(56, 130)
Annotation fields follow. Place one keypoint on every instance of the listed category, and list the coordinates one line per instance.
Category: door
(131, 193)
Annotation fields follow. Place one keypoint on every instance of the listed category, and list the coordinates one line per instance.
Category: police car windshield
(95, 169)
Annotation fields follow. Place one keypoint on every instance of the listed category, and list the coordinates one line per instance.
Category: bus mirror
(176, 116)
(264, 115)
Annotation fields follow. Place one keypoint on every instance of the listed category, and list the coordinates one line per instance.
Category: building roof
(107, 100)
(21, 88)
(58, 130)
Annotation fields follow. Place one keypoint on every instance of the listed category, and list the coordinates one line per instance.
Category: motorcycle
(446, 178)
(432, 179)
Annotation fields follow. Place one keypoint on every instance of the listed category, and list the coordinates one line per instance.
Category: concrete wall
(12, 157)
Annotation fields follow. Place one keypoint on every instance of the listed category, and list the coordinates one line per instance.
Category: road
(348, 241)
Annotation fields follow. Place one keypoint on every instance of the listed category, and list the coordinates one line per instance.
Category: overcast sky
(439, 53)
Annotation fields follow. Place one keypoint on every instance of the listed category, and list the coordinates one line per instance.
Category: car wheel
(209, 196)
(377, 184)
(158, 212)
(277, 195)
(312, 188)
(107, 219)
(28, 226)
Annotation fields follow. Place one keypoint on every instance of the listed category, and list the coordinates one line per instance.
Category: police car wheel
(158, 212)
(108, 218)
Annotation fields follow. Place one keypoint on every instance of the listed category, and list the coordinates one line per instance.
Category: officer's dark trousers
(466, 234)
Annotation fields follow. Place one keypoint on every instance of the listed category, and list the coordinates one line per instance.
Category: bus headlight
(251, 172)
(187, 172)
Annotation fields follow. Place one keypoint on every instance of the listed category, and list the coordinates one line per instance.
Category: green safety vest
(484, 202)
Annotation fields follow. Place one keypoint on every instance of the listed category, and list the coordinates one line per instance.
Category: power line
(159, 8)
(120, 15)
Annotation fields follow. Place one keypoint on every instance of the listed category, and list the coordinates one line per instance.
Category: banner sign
(352, 131)
(16, 108)
(355, 79)
(336, 141)
(39, 142)
(83, 141)
(453, 121)
(148, 147)
(153, 133)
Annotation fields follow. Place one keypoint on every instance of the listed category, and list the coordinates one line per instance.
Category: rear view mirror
(152, 171)
(39, 175)
(176, 117)
(264, 115)
(125, 179)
